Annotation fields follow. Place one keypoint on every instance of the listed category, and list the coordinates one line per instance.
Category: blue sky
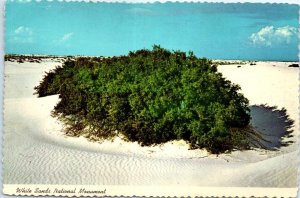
(224, 31)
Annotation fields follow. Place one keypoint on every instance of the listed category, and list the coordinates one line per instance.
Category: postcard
(151, 99)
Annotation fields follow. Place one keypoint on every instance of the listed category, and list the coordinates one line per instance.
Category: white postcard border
(167, 191)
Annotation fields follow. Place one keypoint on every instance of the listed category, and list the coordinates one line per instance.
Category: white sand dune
(36, 151)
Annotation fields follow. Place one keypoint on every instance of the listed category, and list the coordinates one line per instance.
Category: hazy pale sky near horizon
(223, 31)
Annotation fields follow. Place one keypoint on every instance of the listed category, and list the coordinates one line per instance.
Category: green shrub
(150, 96)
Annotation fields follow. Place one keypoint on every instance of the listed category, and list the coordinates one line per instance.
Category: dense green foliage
(150, 96)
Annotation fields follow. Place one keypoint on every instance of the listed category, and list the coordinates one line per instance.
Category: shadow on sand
(271, 125)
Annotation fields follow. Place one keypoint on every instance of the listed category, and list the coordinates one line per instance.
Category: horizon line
(225, 59)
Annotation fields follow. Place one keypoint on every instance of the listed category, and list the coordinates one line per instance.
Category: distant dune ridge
(37, 151)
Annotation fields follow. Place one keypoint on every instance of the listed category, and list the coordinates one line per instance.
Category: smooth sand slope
(36, 151)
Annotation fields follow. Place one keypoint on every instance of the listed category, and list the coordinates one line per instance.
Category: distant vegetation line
(150, 96)
(218, 61)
